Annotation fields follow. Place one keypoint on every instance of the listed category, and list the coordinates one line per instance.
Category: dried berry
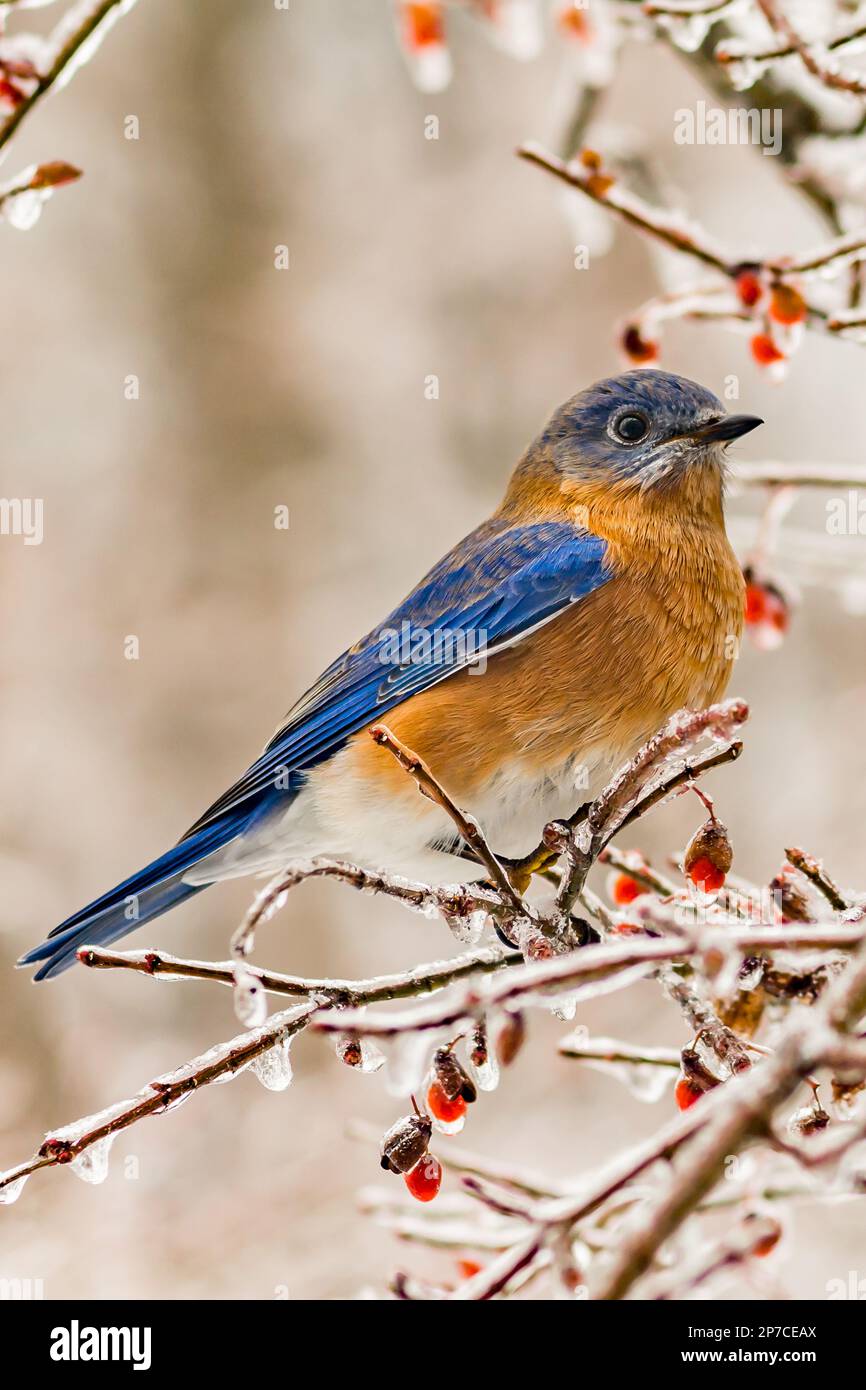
(638, 348)
(790, 898)
(406, 1142)
(451, 1077)
(349, 1050)
(808, 1121)
(479, 1054)
(708, 856)
(787, 305)
(511, 1037)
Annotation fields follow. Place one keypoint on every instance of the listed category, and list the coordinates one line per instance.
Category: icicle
(23, 210)
(274, 1067)
(563, 1007)
(647, 1081)
(408, 1058)
(12, 1191)
(688, 32)
(483, 1062)
(91, 1165)
(467, 930)
(745, 72)
(250, 1000)
(449, 1126)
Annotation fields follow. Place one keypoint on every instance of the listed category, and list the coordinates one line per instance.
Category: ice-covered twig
(539, 979)
(742, 1112)
(728, 53)
(71, 43)
(812, 869)
(755, 1234)
(585, 1049)
(827, 475)
(826, 73)
(456, 903)
(69, 1142)
(624, 800)
(38, 182)
(661, 226)
(346, 993)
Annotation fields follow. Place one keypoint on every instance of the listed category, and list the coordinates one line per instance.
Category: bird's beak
(725, 429)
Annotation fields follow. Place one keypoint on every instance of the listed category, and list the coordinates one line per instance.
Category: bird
(600, 597)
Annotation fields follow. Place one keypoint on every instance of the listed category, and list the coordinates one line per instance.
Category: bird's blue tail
(139, 899)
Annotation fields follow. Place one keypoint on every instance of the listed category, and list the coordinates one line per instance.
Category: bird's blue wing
(490, 591)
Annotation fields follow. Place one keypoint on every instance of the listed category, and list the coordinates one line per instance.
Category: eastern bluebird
(601, 596)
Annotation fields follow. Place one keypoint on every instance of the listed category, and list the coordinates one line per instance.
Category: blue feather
(500, 582)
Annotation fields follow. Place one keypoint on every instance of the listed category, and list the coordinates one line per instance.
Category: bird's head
(645, 431)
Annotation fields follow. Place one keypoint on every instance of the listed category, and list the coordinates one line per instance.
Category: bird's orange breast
(662, 633)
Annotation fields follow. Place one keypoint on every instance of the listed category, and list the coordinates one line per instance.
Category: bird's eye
(631, 428)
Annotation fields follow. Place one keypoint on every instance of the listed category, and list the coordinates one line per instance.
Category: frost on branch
(769, 985)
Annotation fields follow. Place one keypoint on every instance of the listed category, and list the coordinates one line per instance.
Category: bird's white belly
(340, 818)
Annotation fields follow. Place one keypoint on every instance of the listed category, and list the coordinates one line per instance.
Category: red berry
(777, 611)
(756, 603)
(768, 1243)
(767, 615)
(686, 1093)
(749, 288)
(574, 22)
(707, 875)
(425, 1179)
(625, 889)
(9, 93)
(765, 1246)
(444, 1109)
(469, 1268)
(787, 305)
(764, 350)
(628, 929)
(423, 25)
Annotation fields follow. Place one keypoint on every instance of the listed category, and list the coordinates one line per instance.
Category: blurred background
(305, 388)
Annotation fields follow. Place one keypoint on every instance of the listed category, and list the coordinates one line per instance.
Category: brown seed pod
(452, 1077)
(793, 903)
(405, 1143)
(696, 1071)
(511, 1037)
